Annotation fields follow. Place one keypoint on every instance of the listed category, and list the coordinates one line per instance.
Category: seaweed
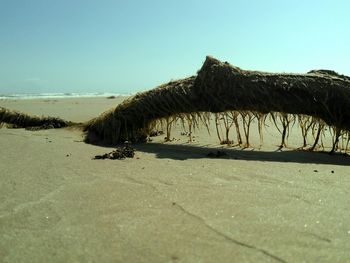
(318, 98)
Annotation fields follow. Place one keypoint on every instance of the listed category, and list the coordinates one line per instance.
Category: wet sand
(171, 202)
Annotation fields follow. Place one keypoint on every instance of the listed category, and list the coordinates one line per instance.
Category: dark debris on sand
(120, 153)
(155, 133)
(218, 154)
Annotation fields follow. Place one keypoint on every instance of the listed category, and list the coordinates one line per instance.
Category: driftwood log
(220, 87)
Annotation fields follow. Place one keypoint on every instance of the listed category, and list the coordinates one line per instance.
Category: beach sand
(171, 202)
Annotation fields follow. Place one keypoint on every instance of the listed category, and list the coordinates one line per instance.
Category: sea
(59, 95)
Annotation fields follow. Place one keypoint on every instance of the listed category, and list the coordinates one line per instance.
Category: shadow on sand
(185, 152)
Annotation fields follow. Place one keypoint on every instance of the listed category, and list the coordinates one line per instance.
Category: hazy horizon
(128, 46)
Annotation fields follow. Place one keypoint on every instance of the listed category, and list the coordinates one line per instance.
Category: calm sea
(58, 95)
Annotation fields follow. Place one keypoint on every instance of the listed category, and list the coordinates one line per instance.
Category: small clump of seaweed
(156, 133)
(119, 153)
(218, 154)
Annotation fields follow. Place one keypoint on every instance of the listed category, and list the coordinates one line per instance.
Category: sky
(129, 46)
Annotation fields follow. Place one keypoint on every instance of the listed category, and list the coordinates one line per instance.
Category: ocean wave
(60, 95)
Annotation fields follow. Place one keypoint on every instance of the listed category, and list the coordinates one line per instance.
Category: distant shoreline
(60, 95)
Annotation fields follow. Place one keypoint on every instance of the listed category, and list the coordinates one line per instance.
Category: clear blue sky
(128, 46)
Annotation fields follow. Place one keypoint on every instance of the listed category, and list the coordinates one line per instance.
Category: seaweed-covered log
(319, 93)
(220, 87)
(132, 120)
(23, 120)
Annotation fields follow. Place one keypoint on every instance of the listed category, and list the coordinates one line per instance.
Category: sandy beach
(171, 202)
